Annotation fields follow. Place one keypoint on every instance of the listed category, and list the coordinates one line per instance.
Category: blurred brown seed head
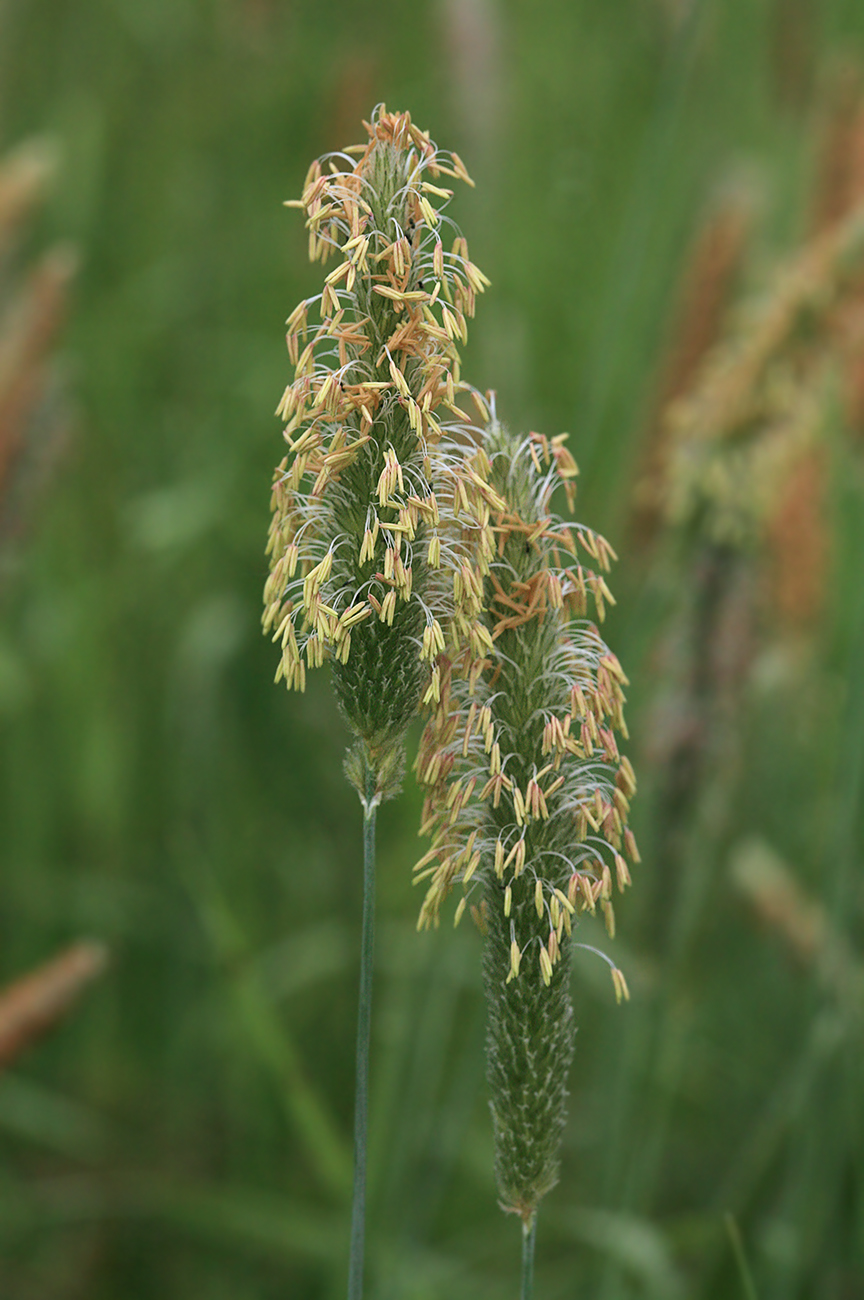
(32, 310)
(798, 544)
(783, 906)
(839, 182)
(708, 281)
(35, 1004)
(24, 177)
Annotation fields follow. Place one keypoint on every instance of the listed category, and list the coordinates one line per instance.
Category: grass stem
(740, 1257)
(529, 1236)
(364, 1016)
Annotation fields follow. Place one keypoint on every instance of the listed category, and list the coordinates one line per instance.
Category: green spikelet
(529, 1052)
(528, 799)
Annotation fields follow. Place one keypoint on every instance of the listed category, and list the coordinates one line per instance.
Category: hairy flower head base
(528, 797)
(361, 562)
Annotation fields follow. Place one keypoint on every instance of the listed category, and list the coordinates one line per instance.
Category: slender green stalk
(364, 1017)
(740, 1257)
(529, 1237)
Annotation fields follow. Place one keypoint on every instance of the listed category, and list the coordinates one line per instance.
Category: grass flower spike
(356, 531)
(528, 798)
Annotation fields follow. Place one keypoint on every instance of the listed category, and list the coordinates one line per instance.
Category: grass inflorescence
(528, 796)
(357, 531)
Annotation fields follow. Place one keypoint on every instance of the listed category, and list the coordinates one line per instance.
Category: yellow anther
(622, 993)
(622, 872)
(564, 901)
(499, 859)
(472, 867)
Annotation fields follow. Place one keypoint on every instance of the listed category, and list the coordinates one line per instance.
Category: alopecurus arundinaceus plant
(528, 798)
(367, 556)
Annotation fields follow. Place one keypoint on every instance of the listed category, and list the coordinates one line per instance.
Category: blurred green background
(186, 1133)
